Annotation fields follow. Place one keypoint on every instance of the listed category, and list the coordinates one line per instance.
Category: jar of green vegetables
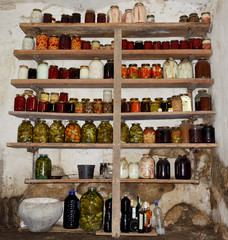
(125, 133)
(43, 167)
(25, 132)
(41, 132)
(136, 133)
(105, 132)
(57, 130)
(89, 132)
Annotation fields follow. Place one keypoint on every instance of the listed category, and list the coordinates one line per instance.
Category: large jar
(41, 41)
(170, 69)
(133, 170)
(89, 132)
(202, 69)
(105, 132)
(205, 101)
(25, 132)
(41, 132)
(184, 127)
(42, 71)
(72, 132)
(208, 133)
(195, 134)
(146, 166)
(125, 133)
(149, 135)
(91, 210)
(197, 99)
(109, 70)
(114, 15)
(36, 16)
(176, 103)
(185, 69)
(127, 16)
(43, 167)
(182, 168)
(96, 69)
(139, 13)
(136, 133)
(163, 169)
(123, 168)
(186, 103)
(56, 132)
(90, 16)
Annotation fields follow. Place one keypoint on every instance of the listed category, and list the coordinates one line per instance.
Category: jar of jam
(76, 18)
(31, 104)
(148, 45)
(185, 125)
(165, 45)
(182, 168)
(41, 41)
(76, 43)
(166, 135)
(79, 107)
(61, 107)
(133, 71)
(139, 45)
(124, 44)
(97, 105)
(156, 71)
(202, 69)
(149, 135)
(32, 74)
(206, 17)
(63, 97)
(193, 17)
(130, 45)
(135, 105)
(175, 44)
(124, 71)
(74, 73)
(86, 44)
(125, 105)
(136, 133)
(101, 18)
(19, 102)
(154, 106)
(183, 18)
(145, 71)
(44, 97)
(65, 18)
(95, 45)
(195, 134)
(53, 43)
(109, 70)
(183, 44)
(90, 16)
(208, 134)
(145, 105)
(163, 169)
(65, 73)
(70, 107)
(176, 136)
(205, 101)
(42, 106)
(54, 97)
(159, 135)
(206, 43)
(156, 45)
(150, 18)
(64, 42)
(52, 107)
(176, 103)
(53, 72)
(196, 43)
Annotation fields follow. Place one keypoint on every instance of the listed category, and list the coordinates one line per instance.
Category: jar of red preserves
(65, 18)
(65, 73)
(145, 71)
(202, 69)
(149, 135)
(63, 97)
(130, 45)
(42, 41)
(124, 44)
(19, 102)
(61, 107)
(133, 71)
(42, 106)
(156, 45)
(90, 16)
(53, 43)
(76, 43)
(175, 44)
(145, 105)
(183, 44)
(148, 45)
(74, 73)
(101, 18)
(156, 71)
(53, 72)
(176, 136)
(64, 42)
(31, 104)
(195, 134)
(165, 45)
(197, 43)
(124, 71)
(135, 105)
(86, 44)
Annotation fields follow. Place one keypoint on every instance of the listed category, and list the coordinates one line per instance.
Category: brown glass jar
(185, 125)
(101, 18)
(193, 17)
(76, 17)
(145, 105)
(90, 16)
(64, 42)
(125, 105)
(208, 133)
(183, 18)
(47, 18)
(203, 69)
(195, 134)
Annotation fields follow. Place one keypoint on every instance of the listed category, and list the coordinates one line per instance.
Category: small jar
(175, 44)
(19, 102)
(42, 106)
(42, 71)
(124, 44)
(76, 17)
(114, 15)
(133, 71)
(54, 97)
(139, 45)
(206, 17)
(154, 106)
(176, 136)
(136, 133)
(84, 72)
(31, 104)
(28, 43)
(23, 72)
(163, 169)
(95, 45)
(147, 167)
(79, 107)
(202, 69)
(70, 107)
(47, 18)
(156, 45)
(145, 71)
(156, 71)
(176, 103)
(64, 42)
(65, 73)
(196, 43)
(53, 72)
(109, 70)
(108, 47)
(36, 16)
(206, 43)
(130, 45)
(208, 134)
(61, 107)
(183, 18)
(44, 97)
(101, 18)
(184, 127)
(135, 105)
(195, 134)
(125, 105)
(148, 45)
(52, 107)
(86, 44)
(90, 16)
(124, 71)
(139, 13)
(193, 17)
(145, 105)
(127, 16)
(63, 97)
(72, 132)
(32, 74)
(150, 18)
(107, 96)
(149, 135)
(76, 43)
(74, 73)
(56, 132)
(165, 45)
(183, 44)
(97, 105)
(25, 132)
(133, 170)
(41, 41)
(96, 69)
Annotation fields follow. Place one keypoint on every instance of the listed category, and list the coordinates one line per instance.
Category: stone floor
(177, 233)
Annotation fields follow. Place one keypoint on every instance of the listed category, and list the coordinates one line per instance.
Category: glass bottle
(163, 169)
(125, 210)
(139, 13)
(147, 217)
(185, 69)
(170, 68)
(25, 132)
(125, 133)
(105, 132)
(108, 215)
(43, 167)
(136, 133)
(133, 220)
(72, 132)
(41, 132)
(182, 168)
(114, 15)
(96, 69)
(89, 132)
(91, 210)
(185, 125)
(56, 133)
(147, 166)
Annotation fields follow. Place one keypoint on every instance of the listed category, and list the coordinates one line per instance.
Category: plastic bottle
(125, 217)
(71, 211)
(108, 215)
(159, 220)
(125, 204)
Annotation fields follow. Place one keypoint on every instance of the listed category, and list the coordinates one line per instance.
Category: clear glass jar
(176, 103)
(127, 16)
(107, 96)
(36, 16)
(43, 167)
(149, 135)
(42, 71)
(133, 170)
(105, 132)
(96, 69)
(184, 127)
(136, 133)
(56, 132)
(150, 18)
(186, 103)
(108, 171)
(23, 72)
(123, 168)
(147, 167)
(170, 68)
(139, 13)
(72, 132)
(41, 132)
(89, 132)
(197, 99)
(84, 72)
(95, 45)
(185, 69)
(125, 133)
(28, 43)
(114, 15)
(25, 132)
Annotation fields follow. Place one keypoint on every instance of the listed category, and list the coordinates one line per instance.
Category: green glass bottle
(125, 133)
(136, 133)
(25, 132)
(89, 132)
(43, 167)
(105, 132)
(56, 132)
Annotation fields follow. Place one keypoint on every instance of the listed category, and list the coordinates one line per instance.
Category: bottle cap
(156, 202)
(72, 192)
(110, 197)
(145, 205)
(125, 195)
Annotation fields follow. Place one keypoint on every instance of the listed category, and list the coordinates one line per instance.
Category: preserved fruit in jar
(146, 166)
(176, 136)
(154, 106)
(25, 132)
(145, 71)
(41, 132)
(56, 132)
(156, 71)
(101, 18)
(170, 69)
(19, 103)
(109, 70)
(133, 71)
(76, 43)
(136, 133)
(135, 105)
(176, 103)
(43, 167)
(41, 41)
(31, 104)
(90, 16)
(97, 105)
(206, 17)
(124, 71)
(125, 133)
(72, 132)
(105, 132)
(127, 16)
(89, 132)
(197, 99)
(53, 43)
(149, 135)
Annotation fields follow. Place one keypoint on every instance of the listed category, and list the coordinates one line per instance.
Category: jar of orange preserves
(97, 105)
(135, 105)
(53, 43)
(42, 41)
(133, 71)
(145, 71)
(156, 71)
(124, 71)
(149, 135)
(76, 42)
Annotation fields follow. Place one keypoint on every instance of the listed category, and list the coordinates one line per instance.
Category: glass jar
(156, 45)
(65, 18)
(174, 44)
(185, 69)
(47, 18)
(148, 45)
(19, 102)
(103, 167)
(156, 71)
(32, 73)
(186, 103)
(133, 71)
(197, 99)
(28, 43)
(42, 71)
(108, 171)
(79, 107)
(135, 105)
(74, 73)
(150, 18)
(125, 105)
(205, 101)
(41, 41)
(70, 107)
(195, 134)
(107, 47)
(196, 43)
(76, 43)
(202, 69)
(166, 135)
(159, 135)
(124, 71)
(101, 18)
(25, 132)
(170, 69)
(147, 167)
(139, 45)
(72, 132)
(89, 132)
(184, 127)
(145, 105)
(154, 106)
(36, 16)
(107, 96)
(208, 134)
(183, 18)
(44, 97)
(56, 132)
(87, 106)
(52, 107)
(127, 16)
(206, 17)
(193, 17)
(96, 69)
(164, 106)
(123, 168)
(124, 44)
(109, 70)
(183, 44)
(125, 133)
(84, 72)
(63, 97)
(136, 133)
(53, 72)
(86, 44)
(206, 43)
(163, 169)
(165, 45)
(149, 135)
(145, 71)
(176, 103)
(97, 105)
(23, 72)
(76, 17)
(130, 45)
(95, 45)
(31, 104)
(90, 16)
(176, 136)
(64, 42)
(42, 106)
(41, 132)
(114, 15)
(54, 97)
(133, 170)
(43, 167)
(139, 13)
(53, 43)
(105, 132)
(107, 107)
(182, 168)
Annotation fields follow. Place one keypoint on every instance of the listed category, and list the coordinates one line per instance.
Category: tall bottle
(159, 220)
(138, 206)
(147, 217)
(108, 215)
(125, 210)
(140, 220)
(133, 220)
(71, 211)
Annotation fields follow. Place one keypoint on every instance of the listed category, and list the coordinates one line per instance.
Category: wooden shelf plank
(136, 30)
(130, 234)
(161, 181)
(61, 181)
(108, 83)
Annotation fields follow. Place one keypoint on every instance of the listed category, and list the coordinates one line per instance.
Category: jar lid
(53, 66)
(23, 66)
(54, 93)
(37, 9)
(183, 16)
(133, 65)
(205, 13)
(95, 41)
(103, 14)
(139, 41)
(90, 11)
(145, 65)
(128, 10)
(150, 15)
(84, 66)
(19, 95)
(114, 6)
(44, 63)
(193, 14)
(146, 99)
(134, 99)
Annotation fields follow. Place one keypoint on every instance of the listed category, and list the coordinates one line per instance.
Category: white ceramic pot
(40, 214)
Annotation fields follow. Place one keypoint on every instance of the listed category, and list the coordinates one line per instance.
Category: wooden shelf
(136, 30)
(161, 181)
(130, 234)
(40, 55)
(108, 83)
(61, 181)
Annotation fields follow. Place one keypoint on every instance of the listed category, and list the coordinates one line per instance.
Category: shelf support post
(116, 134)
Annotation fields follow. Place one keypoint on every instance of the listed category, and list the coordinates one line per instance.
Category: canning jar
(197, 99)
(196, 43)
(109, 70)
(135, 105)
(107, 47)
(63, 97)
(145, 71)
(53, 42)
(79, 107)
(136, 133)
(195, 134)
(164, 106)
(139, 45)
(123, 168)
(208, 134)
(96, 69)
(149, 135)
(90, 16)
(25, 132)
(84, 72)
(193, 17)
(176, 136)
(105, 132)
(185, 69)
(107, 96)
(125, 132)
(44, 97)
(70, 107)
(53, 72)
(184, 127)
(130, 45)
(206, 17)
(186, 103)
(31, 104)
(125, 105)
(156, 45)
(174, 44)
(165, 45)
(124, 71)
(133, 170)
(148, 45)
(28, 43)
(133, 71)
(56, 132)
(41, 41)
(91, 210)
(87, 105)
(150, 18)
(202, 69)
(72, 132)
(154, 106)
(183, 18)
(23, 72)
(36, 16)
(47, 18)
(52, 107)
(139, 13)
(183, 44)
(205, 101)
(19, 102)
(76, 17)
(74, 73)
(107, 107)
(159, 135)
(147, 167)
(64, 42)
(41, 132)
(86, 44)
(95, 45)
(163, 169)
(42, 106)
(182, 168)
(156, 71)
(54, 97)
(32, 73)
(145, 105)
(88, 133)
(43, 167)
(42, 71)
(206, 43)
(166, 134)
(101, 18)
(97, 105)
(170, 68)
(65, 18)
(124, 44)
(114, 15)
(176, 103)
(127, 16)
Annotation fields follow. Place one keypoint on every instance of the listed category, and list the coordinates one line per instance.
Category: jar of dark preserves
(175, 44)
(125, 105)
(193, 17)
(61, 107)
(60, 72)
(182, 168)
(42, 106)
(19, 102)
(145, 105)
(107, 107)
(74, 73)
(97, 105)
(205, 101)
(130, 45)
(208, 132)
(52, 107)
(47, 18)
(183, 44)
(197, 99)
(65, 18)
(159, 135)
(76, 18)
(31, 104)
(86, 44)
(124, 44)
(202, 69)
(196, 43)
(64, 42)
(165, 45)
(65, 73)
(139, 45)
(185, 125)
(63, 97)
(101, 18)
(148, 45)
(53, 72)
(167, 135)
(183, 18)
(90, 16)
(176, 136)
(195, 134)
(156, 45)
(163, 169)
(70, 107)
(164, 106)
(32, 73)
(109, 70)
(87, 105)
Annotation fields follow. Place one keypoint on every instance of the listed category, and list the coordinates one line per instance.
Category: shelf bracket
(192, 87)
(37, 58)
(36, 89)
(193, 118)
(33, 119)
(37, 30)
(35, 152)
(188, 33)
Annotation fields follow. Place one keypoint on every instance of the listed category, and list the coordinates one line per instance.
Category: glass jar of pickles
(149, 135)
(170, 68)
(176, 136)
(72, 132)
(97, 105)
(125, 133)
(25, 132)
(136, 133)
(105, 132)
(43, 167)
(89, 132)
(56, 132)
(41, 132)
(154, 106)
(79, 108)
(124, 71)
(133, 71)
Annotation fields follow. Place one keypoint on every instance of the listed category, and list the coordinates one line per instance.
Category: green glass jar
(57, 130)
(73, 132)
(105, 132)
(43, 167)
(91, 210)
(125, 133)
(89, 132)
(136, 133)
(25, 132)
(41, 132)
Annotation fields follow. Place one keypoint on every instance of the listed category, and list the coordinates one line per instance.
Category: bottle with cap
(108, 215)
(147, 217)
(125, 214)
(159, 220)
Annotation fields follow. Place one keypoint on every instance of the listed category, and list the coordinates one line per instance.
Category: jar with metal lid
(28, 43)
(90, 16)
(43, 167)
(44, 97)
(125, 105)
(76, 43)
(36, 16)
(52, 107)
(41, 132)
(107, 107)
(79, 108)
(139, 13)
(97, 105)
(87, 106)
(41, 41)
(150, 18)
(114, 15)
(205, 101)
(127, 16)
(70, 106)
(42, 71)
(124, 71)
(183, 18)
(149, 135)
(206, 17)
(74, 73)
(64, 42)
(123, 168)
(156, 71)
(105, 132)
(193, 17)
(42, 106)
(72, 132)
(176, 103)
(154, 106)
(184, 127)
(32, 74)
(136, 133)
(202, 69)
(133, 170)
(186, 103)
(76, 17)
(196, 43)
(84, 72)
(130, 45)
(182, 167)
(165, 45)
(135, 105)
(25, 132)
(124, 44)
(19, 102)
(183, 44)
(156, 45)
(208, 134)
(170, 69)
(159, 135)
(89, 134)
(197, 99)
(101, 18)
(54, 97)
(95, 45)
(206, 43)
(147, 167)
(163, 169)
(185, 69)
(61, 107)
(174, 44)
(109, 70)
(145, 105)
(125, 132)
(53, 72)
(176, 136)
(63, 97)
(96, 69)
(133, 71)
(145, 71)
(53, 42)
(139, 45)
(86, 44)
(195, 134)
(31, 104)
(56, 132)
(107, 95)
(23, 72)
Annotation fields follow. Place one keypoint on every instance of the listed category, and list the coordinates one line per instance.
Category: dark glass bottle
(141, 221)
(108, 215)
(163, 169)
(125, 210)
(71, 211)
(109, 70)
(182, 168)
